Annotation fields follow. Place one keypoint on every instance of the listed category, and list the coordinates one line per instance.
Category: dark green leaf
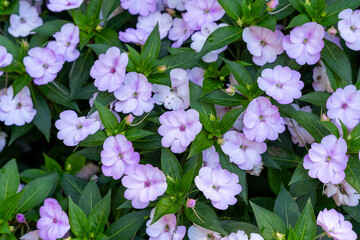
(73, 186)
(9, 179)
(233, 227)
(201, 143)
(51, 27)
(241, 75)
(108, 118)
(316, 98)
(30, 174)
(19, 131)
(93, 9)
(42, 119)
(170, 165)
(20, 82)
(137, 133)
(96, 139)
(99, 215)
(331, 127)
(81, 72)
(51, 164)
(232, 8)
(89, 197)
(298, 21)
(305, 228)
(197, 104)
(151, 49)
(182, 60)
(99, 48)
(8, 206)
(286, 208)
(220, 98)
(78, 222)
(74, 163)
(10, 46)
(165, 206)
(229, 119)
(351, 173)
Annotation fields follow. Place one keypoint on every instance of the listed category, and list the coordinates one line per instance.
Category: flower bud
(220, 141)
(239, 22)
(230, 90)
(129, 119)
(190, 203)
(332, 31)
(161, 69)
(280, 236)
(171, 12)
(20, 218)
(272, 4)
(98, 28)
(324, 118)
(6, 3)
(25, 44)
(212, 117)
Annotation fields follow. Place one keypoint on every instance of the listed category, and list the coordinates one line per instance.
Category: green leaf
(89, 197)
(20, 82)
(201, 143)
(197, 104)
(8, 206)
(4, 228)
(93, 9)
(292, 235)
(109, 37)
(104, 98)
(73, 186)
(181, 60)
(335, 8)
(305, 228)
(78, 221)
(280, 158)
(228, 120)
(298, 5)
(331, 127)
(35, 192)
(233, 226)
(286, 208)
(74, 163)
(137, 133)
(30, 174)
(268, 22)
(241, 75)
(268, 222)
(352, 173)
(42, 119)
(19, 131)
(220, 98)
(353, 139)
(9, 179)
(51, 27)
(96, 139)
(204, 217)
(316, 98)
(108, 7)
(211, 84)
(170, 165)
(151, 49)
(99, 215)
(51, 164)
(126, 226)
(298, 21)
(108, 118)
(232, 8)
(81, 72)
(165, 206)
(10, 46)
(99, 48)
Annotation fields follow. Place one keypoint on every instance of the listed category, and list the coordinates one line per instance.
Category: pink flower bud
(272, 4)
(171, 12)
(20, 218)
(332, 31)
(324, 118)
(230, 90)
(191, 203)
(129, 119)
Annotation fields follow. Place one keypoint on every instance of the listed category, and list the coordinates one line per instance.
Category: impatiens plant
(179, 119)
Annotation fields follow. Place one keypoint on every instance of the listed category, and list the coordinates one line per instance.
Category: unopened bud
(190, 203)
(239, 22)
(98, 28)
(171, 12)
(11, 228)
(272, 4)
(220, 141)
(6, 3)
(230, 90)
(161, 69)
(280, 236)
(212, 117)
(129, 119)
(332, 31)
(25, 44)
(20, 218)
(307, 2)
(94, 177)
(324, 118)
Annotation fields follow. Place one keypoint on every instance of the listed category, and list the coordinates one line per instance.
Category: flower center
(167, 228)
(54, 220)
(147, 184)
(263, 43)
(206, 11)
(305, 40)
(216, 187)
(342, 189)
(18, 106)
(182, 128)
(67, 44)
(210, 236)
(22, 20)
(318, 78)
(261, 118)
(328, 159)
(135, 94)
(243, 147)
(79, 126)
(279, 85)
(45, 66)
(120, 157)
(344, 106)
(113, 70)
(353, 28)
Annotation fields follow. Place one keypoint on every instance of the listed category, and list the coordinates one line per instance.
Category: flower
(176, 4)
(3, 136)
(298, 134)
(134, 95)
(164, 228)
(263, 44)
(109, 70)
(33, 235)
(61, 5)
(199, 39)
(343, 194)
(335, 225)
(20, 218)
(179, 32)
(272, 4)
(196, 75)
(117, 156)
(344, 105)
(66, 41)
(262, 121)
(191, 203)
(210, 158)
(177, 96)
(73, 129)
(241, 235)
(131, 35)
(5, 58)
(349, 28)
(43, 64)
(144, 183)
(256, 171)
(218, 185)
(53, 222)
(27, 20)
(16, 110)
(179, 129)
(327, 160)
(202, 12)
(141, 7)
(281, 83)
(149, 22)
(241, 151)
(305, 43)
(321, 79)
(196, 232)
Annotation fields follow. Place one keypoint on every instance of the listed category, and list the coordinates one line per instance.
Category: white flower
(343, 194)
(149, 22)
(196, 232)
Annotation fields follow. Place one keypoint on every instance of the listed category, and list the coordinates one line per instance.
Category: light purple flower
(53, 222)
(176, 4)
(179, 32)
(32, 235)
(61, 5)
(305, 43)
(109, 70)
(239, 235)
(327, 160)
(27, 20)
(281, 83)
(16, 110)
(344, 105)
(5, 58)
(298, 134)
(176, 97)
(202, 12)
(134, 95)
(66, 41)
(343, 194)
(263, 44)
(335, 225)
(73, 129)
(144, 183)
(131, 35)
(196, 232)
(241, 151)
(321, 79)
(141, 7)
(349, 28)
(199, 39)
(196, 75)
(179, 129)
(164, 228)
(43, 64)
(262, 121)
(210, 158)
(218, 185)
(118, 156)
(149, 22)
